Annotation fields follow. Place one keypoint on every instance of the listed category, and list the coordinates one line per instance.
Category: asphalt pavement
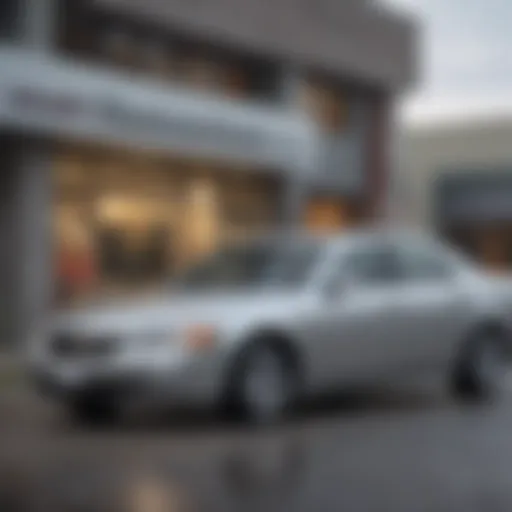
(399, 450)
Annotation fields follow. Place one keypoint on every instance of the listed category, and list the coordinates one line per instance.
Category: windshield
(257, 264)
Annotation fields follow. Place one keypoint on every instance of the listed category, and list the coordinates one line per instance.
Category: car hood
(177, 310)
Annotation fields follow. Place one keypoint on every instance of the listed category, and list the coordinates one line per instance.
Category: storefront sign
(54, 97)
(134, 123)
(183, 130)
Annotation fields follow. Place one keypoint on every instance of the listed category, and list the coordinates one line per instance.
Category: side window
(373, 265)
(423, 262)
(369, 265)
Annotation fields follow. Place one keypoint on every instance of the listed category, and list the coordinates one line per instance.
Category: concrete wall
(347, 38)
(427, 152)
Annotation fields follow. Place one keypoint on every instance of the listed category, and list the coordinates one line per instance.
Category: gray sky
(467, 59)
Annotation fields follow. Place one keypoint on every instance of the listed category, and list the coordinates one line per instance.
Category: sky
(466, 59)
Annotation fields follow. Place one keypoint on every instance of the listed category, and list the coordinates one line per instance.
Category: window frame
(339, 274)
(439, 257)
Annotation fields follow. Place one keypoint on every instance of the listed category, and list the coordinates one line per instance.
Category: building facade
(138, 135)
(461, 175)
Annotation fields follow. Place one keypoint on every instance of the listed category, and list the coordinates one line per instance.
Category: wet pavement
(402, 450)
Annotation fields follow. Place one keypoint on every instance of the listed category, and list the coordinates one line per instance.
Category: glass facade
(126, 223)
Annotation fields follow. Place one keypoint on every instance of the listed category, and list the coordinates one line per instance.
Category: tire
(93, 410)
(263, 386)
(479, 374)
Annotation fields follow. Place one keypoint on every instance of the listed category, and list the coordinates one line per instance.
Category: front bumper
(178, 379)
(53, 384)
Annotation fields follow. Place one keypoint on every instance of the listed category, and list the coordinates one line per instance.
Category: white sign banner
(42, 94)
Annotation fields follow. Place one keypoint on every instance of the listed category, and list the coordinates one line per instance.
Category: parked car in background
(261, 324)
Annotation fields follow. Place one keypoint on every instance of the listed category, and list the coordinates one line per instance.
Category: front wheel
(263, 387)
(93, 409)
(480, 374)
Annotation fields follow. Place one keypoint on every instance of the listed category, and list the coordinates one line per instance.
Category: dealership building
(459, 174)
(138, 135)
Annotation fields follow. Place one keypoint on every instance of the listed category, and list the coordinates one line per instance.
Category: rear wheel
(480, 373)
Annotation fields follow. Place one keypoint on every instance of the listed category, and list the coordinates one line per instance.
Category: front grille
(70, 346)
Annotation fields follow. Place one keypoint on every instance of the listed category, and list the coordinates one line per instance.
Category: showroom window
(126, 222)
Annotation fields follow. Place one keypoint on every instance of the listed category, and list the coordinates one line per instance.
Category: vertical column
(400, 205)
(378, 164)
(295, 184)
(8, 283)
(294, 200)
(351, 147)
(291, 84)
(40, 24)
(34, 240)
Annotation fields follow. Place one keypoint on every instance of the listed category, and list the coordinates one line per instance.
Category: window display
(128, 222)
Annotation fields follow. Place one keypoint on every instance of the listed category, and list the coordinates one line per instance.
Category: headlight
(196, 338)
(201, 337)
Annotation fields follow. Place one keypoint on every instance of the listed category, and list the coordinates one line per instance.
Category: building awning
(57, 97)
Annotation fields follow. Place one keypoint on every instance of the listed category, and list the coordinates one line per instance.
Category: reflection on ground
(194, 462)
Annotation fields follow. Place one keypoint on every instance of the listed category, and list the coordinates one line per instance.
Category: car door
(434, 305)
(358, 323)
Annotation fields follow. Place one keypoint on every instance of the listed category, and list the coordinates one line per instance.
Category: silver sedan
(261, 324)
